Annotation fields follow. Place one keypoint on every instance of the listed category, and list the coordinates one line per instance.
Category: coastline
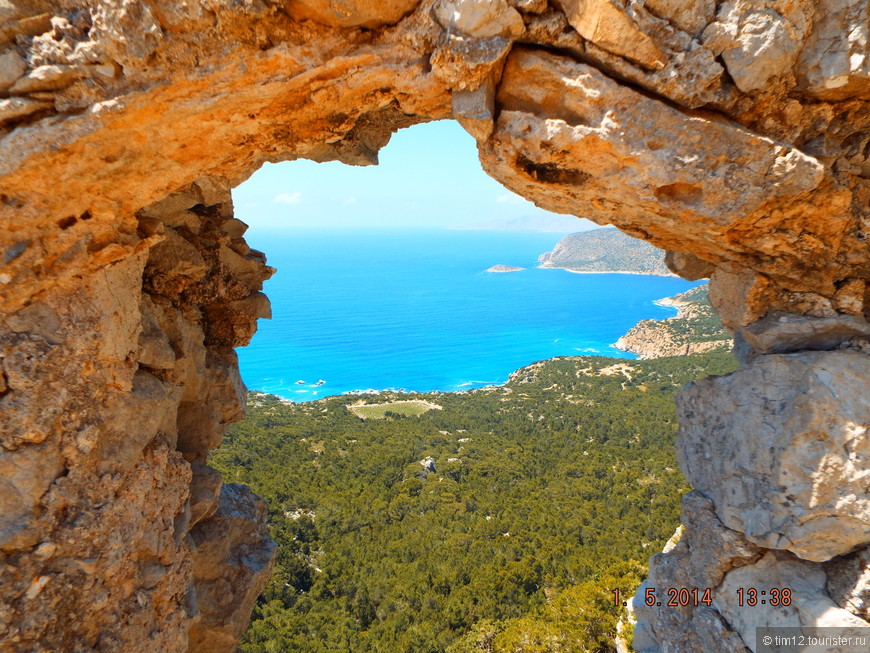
(622, 344)
(573, 271)
(653, 338)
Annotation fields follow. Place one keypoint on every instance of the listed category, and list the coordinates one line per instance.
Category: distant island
(504, 268)
(694, 330)
(605, 250)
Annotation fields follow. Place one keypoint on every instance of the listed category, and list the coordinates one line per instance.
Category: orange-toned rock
(608, 25)
(352, 13)
(125, 281)
(575, 141)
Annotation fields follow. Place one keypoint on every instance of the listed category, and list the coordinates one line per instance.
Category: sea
(358, 311)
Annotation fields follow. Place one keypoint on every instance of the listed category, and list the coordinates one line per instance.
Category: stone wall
(733, 134)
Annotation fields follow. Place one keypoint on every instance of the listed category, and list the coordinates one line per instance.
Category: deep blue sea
(416, 310)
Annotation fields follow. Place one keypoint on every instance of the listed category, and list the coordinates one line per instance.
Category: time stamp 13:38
(681, 597)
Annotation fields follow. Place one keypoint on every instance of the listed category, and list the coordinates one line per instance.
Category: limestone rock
(17, 107)
(529, 6)
(166, 105)
(102, 378)
(12, 67)
(607, 24)
(467, 63)
(809, 603)
(226, 391)
(781, 447)
(739, 295)
(133, 421)
(849, 582)
(117, 558)
(24, 478)
(46, 78)
(835, 60)
(248, 270)
(783, 332)
(691, 77)
(8, 11)
(232, 562)
(174, 264)
(173, 204)
(698, 556)
(205, 488)
(758, 42)
(352, 13)
(234, 228)
(233, 324)
(155, 351)
(849, 297)
(479, 18)
(128, 32)
(475, 110)
(692, 16)
(199, 429)
(559, 140)
(688, 266)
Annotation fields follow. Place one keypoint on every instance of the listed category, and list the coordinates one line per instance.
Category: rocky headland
(694, 330)
(605, 250)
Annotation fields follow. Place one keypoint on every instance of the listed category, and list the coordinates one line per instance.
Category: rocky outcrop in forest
(733, 134)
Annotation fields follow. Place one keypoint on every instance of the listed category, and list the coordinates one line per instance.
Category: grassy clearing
(410, 408)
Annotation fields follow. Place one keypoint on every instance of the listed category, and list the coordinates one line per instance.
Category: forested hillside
(605, 250)
(499, 519)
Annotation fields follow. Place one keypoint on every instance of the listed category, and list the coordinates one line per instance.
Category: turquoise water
(415, 310)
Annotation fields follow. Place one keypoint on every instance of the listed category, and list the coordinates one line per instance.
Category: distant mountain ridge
(605, 250)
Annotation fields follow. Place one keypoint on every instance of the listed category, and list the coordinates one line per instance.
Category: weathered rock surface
(564, 144)
(232, 560)
(704, 554)
(783, 332)
(702, 551)
(688, 266)
(733, 133)
(608, 25)
(114, 391)
(808, 600)
(758, 40)
(849, 582)
(835, 60)
(781, 446)
(352, 13)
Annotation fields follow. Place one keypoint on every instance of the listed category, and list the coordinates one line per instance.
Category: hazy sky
(428, 176)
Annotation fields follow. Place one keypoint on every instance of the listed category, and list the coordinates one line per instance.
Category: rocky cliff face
(734, 134)
(694, 330)
(648, 339)
(115, 534)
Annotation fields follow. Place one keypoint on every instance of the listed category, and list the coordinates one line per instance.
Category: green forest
(699, 322)
(499, 519)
